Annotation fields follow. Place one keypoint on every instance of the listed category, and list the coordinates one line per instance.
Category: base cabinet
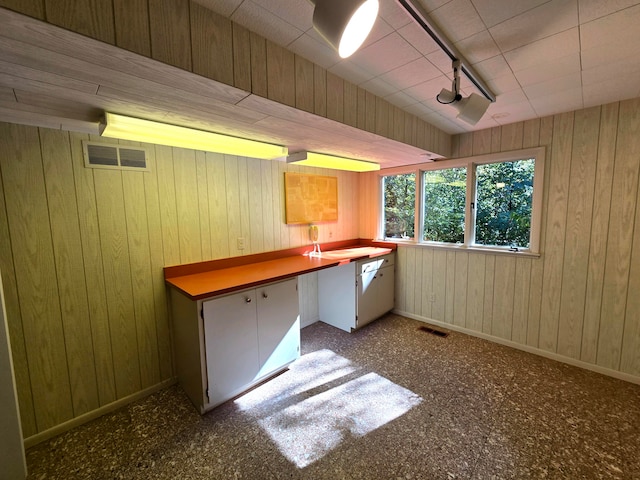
(243, 338)
(353, 295)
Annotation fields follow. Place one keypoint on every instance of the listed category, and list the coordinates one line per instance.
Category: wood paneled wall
(189, 36)
(579, 300)
(82, 252)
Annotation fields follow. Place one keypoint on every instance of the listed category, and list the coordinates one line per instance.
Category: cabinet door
(385, 290)
(337, 296)
(367, 301)
(278, 325)
(230, 330)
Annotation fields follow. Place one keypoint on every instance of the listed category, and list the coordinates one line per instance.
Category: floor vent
(433, 331)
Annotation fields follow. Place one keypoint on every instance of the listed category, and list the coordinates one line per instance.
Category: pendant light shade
(345, 24)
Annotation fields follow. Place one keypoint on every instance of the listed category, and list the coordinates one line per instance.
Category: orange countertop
(217, 281)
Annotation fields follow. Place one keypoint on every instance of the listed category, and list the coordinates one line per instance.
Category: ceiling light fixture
(470, 109)
(473, 106)
(345, 24)
(312, 159)
(140, 130)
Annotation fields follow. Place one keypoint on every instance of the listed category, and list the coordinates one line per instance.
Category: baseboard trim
(526, 348)
(92, 415)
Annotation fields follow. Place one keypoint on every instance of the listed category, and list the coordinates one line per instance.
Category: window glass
(504, 199)
(399, 193)
(444, 205)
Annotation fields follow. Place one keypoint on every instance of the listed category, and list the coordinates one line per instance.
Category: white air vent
(105, 155)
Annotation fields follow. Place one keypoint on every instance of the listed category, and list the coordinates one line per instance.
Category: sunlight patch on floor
(307, 427)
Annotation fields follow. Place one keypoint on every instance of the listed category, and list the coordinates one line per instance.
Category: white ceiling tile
(430, 5)
(298, 14)
(548, 19)
(543, 89)
(379, 87)
(265, 23)
(351, 72)
(610, 72)
(559, 102)
(493, 12)
(492, 67)
(555, 68)
(478, 47)
(412, 73)
(319, 52)
(380, 30)
(394, 15)
(420, 39)
(458, 19)
(620, 27)
(400, 99)
(384, 55)
(592, 9)
(442, 62)
(223, 7)
(504, 84)
(541, 51)
(608, 53)
(612, 89)
(511, 97)
(429, 89)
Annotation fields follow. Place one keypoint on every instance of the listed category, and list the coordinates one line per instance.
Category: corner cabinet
(229, 343)
(353, 295)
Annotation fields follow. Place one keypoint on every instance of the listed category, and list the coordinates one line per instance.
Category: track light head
(472, 108)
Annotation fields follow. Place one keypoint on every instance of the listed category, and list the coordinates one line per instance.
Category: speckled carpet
(389, 401)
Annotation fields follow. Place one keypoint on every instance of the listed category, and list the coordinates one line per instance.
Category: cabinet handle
(381, 274)
(248, 299)
(264, 295)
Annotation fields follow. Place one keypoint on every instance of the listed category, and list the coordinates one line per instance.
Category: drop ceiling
(539, 57)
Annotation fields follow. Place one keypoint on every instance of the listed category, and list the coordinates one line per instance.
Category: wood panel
(33, 8)
(511, 136)
(409, 276)
(381, 117)
(504, 287)
(258, 65)
(450, 283)
(370, 111)
(556, 226)
(241, 57)
(522, 288)
(304, 80)
(460, 288)
(203, 205)
(73, 303)
(211, 44)
(170, 32)
(12, 306)
(131, 18)
(361, 117)
(418, 289)
(168, 209)
(186, 187)
(350, 104)
(245, 219)
(335, 97)
(93, 18)
(439, 284)
(489, 281)
(255, 214)
(475, 292)
(584, 154)
(319, 91)
(427, 283)
(157, 261)
(216, 187)
(234, 225)
(280, 74)
(93, 272)
(269, 216)
(141, 277)
(117, 272)
(33, 257)
(599, 228)
(481, 142)
(620, 241)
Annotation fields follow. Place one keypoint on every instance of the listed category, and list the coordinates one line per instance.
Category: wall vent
(106, 155)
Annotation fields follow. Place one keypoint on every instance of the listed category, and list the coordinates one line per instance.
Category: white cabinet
(352, 295)
(234, 341)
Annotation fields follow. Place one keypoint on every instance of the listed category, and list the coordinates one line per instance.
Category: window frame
(470, 163)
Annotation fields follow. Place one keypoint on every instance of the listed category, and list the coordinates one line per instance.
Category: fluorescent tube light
(322, 160)
(139, 130)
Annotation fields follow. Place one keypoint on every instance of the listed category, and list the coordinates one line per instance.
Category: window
(444, 205)
(489, 201)
(399, 200)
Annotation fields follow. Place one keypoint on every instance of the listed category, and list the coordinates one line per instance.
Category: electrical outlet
(240, 243)
(433, 297)
(330, 234)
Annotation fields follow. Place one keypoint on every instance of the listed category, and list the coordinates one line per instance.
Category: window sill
(463, 248)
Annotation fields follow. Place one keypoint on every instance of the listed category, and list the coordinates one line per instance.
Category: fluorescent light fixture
(344, 24)
(322, 160)
(139, 130)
